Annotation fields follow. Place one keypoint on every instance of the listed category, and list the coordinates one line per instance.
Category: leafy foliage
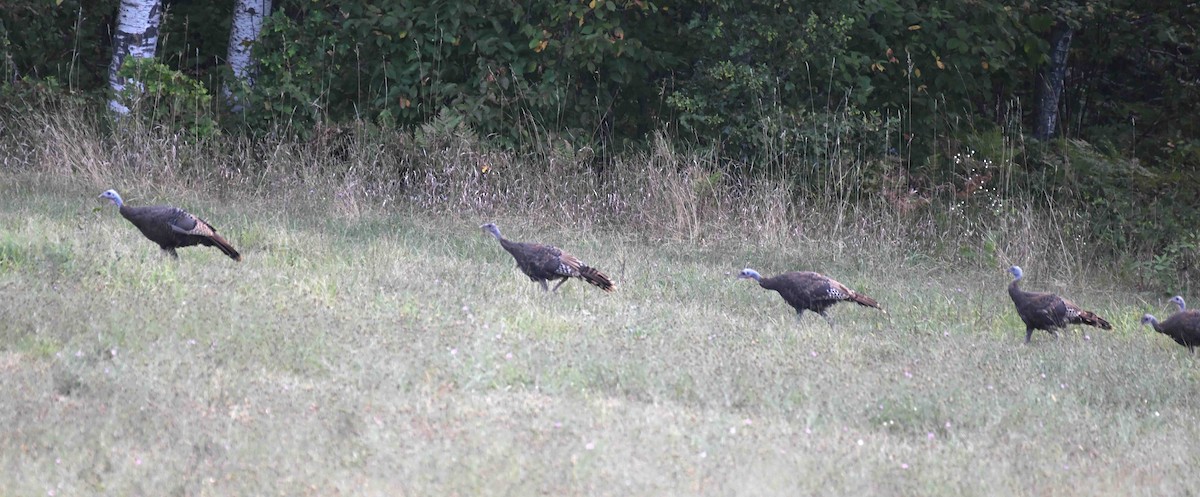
(755, 79)
(498, 65)
(167, 97)
(68, 41)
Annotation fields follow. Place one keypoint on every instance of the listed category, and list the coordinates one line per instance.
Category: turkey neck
(508, 245)
(1013, 290)
(770, 283)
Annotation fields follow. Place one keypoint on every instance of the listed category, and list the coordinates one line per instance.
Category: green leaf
(1041, 22)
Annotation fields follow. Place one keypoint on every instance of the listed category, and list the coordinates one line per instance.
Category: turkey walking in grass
(1047, 311)
(1183, 326)
(171, 227)
(542, 263)
(808, 291)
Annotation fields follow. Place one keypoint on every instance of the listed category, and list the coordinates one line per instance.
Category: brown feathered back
(542, 263)
(809, 291)
(1047, 311)
(172, 228)
(1183, 327)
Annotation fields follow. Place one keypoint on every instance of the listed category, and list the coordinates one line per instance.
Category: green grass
(391, 351)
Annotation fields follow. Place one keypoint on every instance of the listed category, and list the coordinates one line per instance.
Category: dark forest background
(931, 98)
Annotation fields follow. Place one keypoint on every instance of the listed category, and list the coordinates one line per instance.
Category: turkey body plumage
(171, 227)
(809, 291)
(543, 263)
(1183, 327)
(1047, 311)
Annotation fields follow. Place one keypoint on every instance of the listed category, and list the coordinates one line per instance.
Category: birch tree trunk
(248, 18)
(1051, 87)
(136, 36)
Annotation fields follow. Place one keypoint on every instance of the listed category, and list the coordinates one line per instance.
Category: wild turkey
(1047, 311)
(545, 262)
(810, 291)
(171, 228)
(1183, 326)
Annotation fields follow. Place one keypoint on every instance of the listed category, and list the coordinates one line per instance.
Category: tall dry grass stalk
(662, 193)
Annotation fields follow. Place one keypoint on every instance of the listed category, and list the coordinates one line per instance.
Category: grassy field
(391, 351)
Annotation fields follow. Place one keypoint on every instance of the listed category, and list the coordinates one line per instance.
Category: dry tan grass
(662, 193)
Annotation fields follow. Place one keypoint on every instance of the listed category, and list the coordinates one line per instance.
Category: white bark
(1052, 81)
(248, 18)
(136, 36)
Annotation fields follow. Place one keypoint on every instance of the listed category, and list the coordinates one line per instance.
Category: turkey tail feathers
(225, 247)
(1091, 319)
(864, 300)
(595, 277)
